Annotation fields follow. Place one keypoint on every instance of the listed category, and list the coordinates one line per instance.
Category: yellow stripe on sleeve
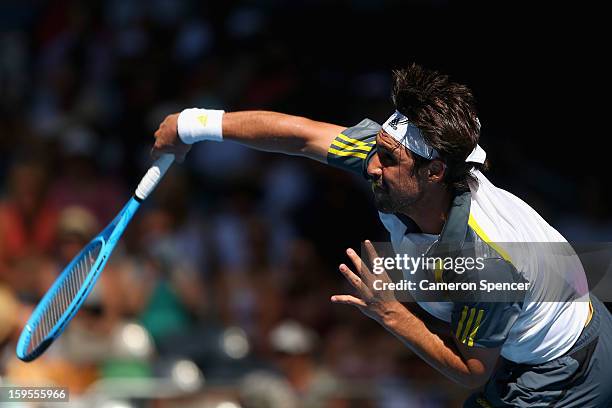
(475, 329)
(349, 147)
(355, 141)
(460, 326)
(347, 153)
(468, 325)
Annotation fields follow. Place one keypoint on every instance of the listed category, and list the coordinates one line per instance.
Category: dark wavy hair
(446, 114)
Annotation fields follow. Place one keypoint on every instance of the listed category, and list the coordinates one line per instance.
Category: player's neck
(430, 212)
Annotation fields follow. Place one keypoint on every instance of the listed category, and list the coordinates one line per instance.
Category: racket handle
(154, 174)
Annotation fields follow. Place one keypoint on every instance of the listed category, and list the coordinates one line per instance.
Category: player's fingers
(370, 250)
(179, 151)
(156, 152)
(348, 300)
(353, 279)
(372, 255)
(360, 266)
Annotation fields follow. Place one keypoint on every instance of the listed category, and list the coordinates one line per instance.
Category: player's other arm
(470, 367)
(261, 130)
(467, 353)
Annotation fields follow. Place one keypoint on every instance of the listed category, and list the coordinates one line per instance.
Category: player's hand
(167, 140)
(373, 303)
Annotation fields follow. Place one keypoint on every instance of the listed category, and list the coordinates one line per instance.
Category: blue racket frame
(108, 237)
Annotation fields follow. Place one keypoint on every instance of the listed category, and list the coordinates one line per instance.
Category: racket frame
(108, 238)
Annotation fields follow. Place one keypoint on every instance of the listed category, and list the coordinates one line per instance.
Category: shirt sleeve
(482, 322)
(352, 148)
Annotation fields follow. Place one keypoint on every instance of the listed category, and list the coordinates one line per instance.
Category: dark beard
(383, 202)
(387, 204)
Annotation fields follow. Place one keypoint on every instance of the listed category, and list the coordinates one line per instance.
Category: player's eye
(386, 158)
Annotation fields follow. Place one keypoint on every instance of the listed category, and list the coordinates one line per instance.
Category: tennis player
(425, 167)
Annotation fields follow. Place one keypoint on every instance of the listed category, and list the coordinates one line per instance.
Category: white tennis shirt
(544, 330)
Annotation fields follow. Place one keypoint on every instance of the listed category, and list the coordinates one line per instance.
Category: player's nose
(374, 168)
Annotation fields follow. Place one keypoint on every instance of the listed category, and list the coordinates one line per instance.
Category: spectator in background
(171, 292)
(79, 181)
(87, 338)
(306, 280)
(75, 227)
(179, 232)
(262, 389)
(247, 286)
(72, 362)
(315, 386)
(27, 226)
(9, 323)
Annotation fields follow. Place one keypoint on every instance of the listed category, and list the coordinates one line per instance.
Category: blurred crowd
(219, 291)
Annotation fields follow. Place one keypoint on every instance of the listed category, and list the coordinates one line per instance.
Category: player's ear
(436, 170)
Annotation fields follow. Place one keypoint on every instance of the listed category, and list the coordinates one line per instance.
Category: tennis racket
(69, 291)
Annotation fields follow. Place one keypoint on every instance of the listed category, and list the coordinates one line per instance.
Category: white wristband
(195, 125)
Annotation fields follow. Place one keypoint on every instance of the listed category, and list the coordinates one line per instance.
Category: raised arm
(261, 130)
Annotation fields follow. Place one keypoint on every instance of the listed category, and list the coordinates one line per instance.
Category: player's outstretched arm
(261, 130)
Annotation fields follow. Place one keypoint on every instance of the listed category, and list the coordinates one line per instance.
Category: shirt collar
(455, 228)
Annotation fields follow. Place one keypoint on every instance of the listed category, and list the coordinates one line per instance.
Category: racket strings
(64, 296)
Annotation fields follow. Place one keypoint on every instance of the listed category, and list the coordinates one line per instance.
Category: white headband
(410, 136)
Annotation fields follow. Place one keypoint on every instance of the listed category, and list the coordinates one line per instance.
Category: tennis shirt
(539, 324)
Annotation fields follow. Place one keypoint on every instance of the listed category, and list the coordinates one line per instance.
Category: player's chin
(383, 203)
